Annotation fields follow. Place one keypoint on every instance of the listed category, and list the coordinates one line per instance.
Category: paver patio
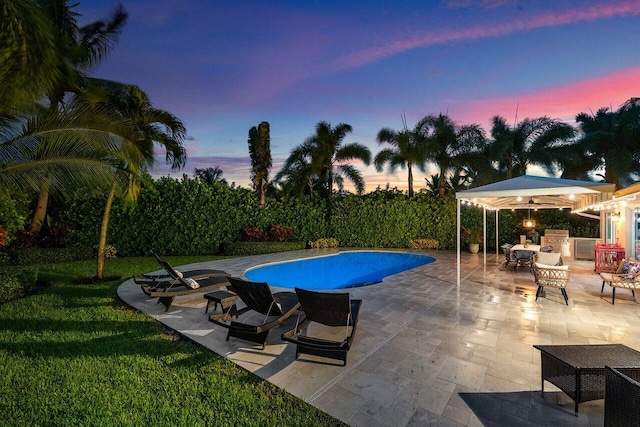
(427, 352)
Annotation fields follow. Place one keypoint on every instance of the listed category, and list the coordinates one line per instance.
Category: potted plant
(473, 237)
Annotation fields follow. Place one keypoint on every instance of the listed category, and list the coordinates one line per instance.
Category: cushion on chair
(629, 267)
(548, 258)
(552, 267)
(191, 283)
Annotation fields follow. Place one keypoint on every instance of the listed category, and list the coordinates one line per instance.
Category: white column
(458, 243)
(484, 233)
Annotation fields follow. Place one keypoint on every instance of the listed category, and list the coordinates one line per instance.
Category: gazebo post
(497, 238)
(458, 243)
(484, 233)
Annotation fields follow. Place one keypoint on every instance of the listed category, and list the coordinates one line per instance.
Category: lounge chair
(187, 286)
(171, 278)
(271, 309)
(329, 309)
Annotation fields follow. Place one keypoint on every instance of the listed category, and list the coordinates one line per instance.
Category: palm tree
(407, 152)
(296, 177)
(148, 126)
(28, 61)
(79, 49)
(62, 151)
(209, 176)
(329, 156)
(527, 142)
(260, 153)
(448, 146)
(610, 141)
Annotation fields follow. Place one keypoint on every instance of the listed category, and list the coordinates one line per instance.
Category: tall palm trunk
(102, 245)
(410, 178)
(442, 184)
(40, 212)
(262, 189)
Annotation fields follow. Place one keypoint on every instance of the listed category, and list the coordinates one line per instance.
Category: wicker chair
(548, 258)
(273, 310)
(622, 397)
(626, 276)
(329, 309)
(552, 276)
(620, 280)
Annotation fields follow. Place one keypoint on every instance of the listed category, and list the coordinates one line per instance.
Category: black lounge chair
(171, 278)
(258, 298)
(329, 309)
(187, 286)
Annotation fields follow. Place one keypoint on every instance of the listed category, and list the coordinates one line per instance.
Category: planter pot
(474, 247)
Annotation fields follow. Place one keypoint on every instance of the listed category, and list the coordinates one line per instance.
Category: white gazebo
(526, 191)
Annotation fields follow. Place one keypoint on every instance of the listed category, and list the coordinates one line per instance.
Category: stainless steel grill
(559, 239)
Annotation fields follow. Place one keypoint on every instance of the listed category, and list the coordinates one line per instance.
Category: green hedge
(257, 248)
(16, 282)
(37, 255)
(187, 217)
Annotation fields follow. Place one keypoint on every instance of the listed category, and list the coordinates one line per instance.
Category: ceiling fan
(531, 203)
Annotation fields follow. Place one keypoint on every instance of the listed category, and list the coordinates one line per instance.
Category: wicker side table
(578, 370)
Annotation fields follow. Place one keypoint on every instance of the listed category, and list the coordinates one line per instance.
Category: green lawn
(75, 355)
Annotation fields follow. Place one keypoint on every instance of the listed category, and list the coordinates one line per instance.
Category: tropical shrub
(14, 210)
(16, 282)
(423, 244)
(324, 243)
(253, 234)
(278, 233)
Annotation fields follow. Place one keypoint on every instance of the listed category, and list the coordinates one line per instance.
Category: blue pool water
(342, 270)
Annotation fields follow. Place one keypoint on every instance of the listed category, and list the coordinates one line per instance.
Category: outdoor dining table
(520, 247)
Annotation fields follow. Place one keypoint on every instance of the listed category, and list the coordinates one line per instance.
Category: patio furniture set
(592, 372)
(262, 310)
(547, 266)
(548, 270)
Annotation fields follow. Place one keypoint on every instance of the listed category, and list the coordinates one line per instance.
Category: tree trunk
(262, 189)
(410, 179)
(441, 184)
(41, 211)
(102, 245)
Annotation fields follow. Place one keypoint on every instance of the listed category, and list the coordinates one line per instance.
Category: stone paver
(427, 352)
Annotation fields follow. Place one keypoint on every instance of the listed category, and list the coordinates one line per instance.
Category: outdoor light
(529, 223)
(615, 217)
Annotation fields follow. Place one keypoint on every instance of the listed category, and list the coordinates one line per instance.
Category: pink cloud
(563, 102)
(531, 22)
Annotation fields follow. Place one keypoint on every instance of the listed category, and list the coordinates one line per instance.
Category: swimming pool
(337, 271)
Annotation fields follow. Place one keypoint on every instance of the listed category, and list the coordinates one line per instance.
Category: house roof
(529, 191)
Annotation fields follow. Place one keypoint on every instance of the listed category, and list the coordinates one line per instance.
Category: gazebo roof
(529, 191)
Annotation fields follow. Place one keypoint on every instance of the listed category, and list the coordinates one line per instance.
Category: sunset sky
(225, 66)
